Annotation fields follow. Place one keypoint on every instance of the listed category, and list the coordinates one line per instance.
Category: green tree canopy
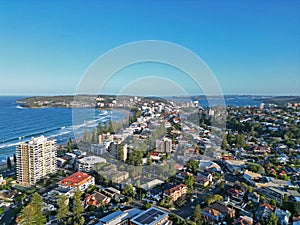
(77, 208)
(192, 165)
(32, 213)
(63, 208)
(197, 215)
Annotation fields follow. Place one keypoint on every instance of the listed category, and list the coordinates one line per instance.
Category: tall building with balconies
(35, 159)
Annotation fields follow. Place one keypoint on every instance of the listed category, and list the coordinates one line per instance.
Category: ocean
(18, 124)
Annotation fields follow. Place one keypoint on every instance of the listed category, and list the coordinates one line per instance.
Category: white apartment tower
(35, 159)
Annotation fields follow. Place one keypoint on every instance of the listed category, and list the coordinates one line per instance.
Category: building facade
(35, 159)
(164, 146)
(78, 180)
(176, 192)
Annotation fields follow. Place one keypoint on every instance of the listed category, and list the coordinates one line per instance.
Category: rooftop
(75, 178)
(113, 216)
(92, 160)
(150, 217)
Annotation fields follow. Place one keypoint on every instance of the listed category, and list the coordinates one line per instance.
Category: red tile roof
(74, 179)
(267, 206)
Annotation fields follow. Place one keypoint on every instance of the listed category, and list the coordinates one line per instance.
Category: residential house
(283, 216)
(251, 177)
(212, 216)
(203, 179)
(254, 197)
(243, 220)
(224, 209)
(235, 165)
(274, 193)
(263, 212)
(96, 199)
(236, 195)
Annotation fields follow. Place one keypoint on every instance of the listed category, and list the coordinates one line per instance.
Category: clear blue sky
(253, 47)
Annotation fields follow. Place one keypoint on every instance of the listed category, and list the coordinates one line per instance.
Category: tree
(77, 209)
(105, 128)
(240, 141)
(222, 185)
(197, 215)
(128, 190)
(147, 205)
(70, 145)
(250, 189)
(110, 128)
(94, 139)
(192, 165)
(9, 166)
(273, 202)
(121, 152)
(15, 159)
(272, 220)
(149, 160)
(213, 198)
(224, 143)
(32, 213)
(86, 136)
(189, 181)
(99, 129)
(26, 215)
(63, 208)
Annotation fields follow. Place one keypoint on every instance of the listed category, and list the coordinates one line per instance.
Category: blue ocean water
(18, 124)
(236, 101)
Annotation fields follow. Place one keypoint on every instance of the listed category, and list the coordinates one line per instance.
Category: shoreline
(122, 110)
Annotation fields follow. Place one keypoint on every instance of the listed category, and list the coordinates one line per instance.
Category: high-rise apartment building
(164, 146)
(35, 159)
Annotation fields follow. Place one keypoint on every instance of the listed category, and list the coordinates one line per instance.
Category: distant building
(151, 184)
(98, 149)
(164, 146)
(35, 159)
(88, 163)
(110, 172)
(105, 137)
(152, 216)
(78, 180)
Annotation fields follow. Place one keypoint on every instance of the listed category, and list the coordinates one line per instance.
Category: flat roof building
(87, 163)
(152, 216)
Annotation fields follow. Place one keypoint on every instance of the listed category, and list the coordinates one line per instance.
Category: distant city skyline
(252, 47)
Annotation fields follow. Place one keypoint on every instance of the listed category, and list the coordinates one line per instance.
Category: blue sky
(252, 47)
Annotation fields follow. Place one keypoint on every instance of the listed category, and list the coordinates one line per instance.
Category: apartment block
(35, 159)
